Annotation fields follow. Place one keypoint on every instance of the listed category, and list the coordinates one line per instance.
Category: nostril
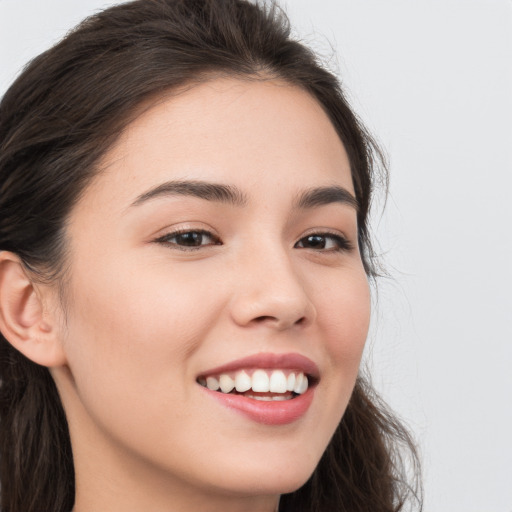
(275, 320)
(265, 318)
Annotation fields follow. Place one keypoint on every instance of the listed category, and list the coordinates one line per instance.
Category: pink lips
(268, 361)
(268, 413)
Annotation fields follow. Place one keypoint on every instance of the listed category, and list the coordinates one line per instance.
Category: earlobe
(23, 319)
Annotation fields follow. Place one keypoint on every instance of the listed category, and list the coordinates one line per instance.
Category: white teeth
(226, 383)
(260, 381)
(298, 382)
(277, 382)
(290, 382)
(243, 382)
(212, 383)
(301, 384)
(304, 386)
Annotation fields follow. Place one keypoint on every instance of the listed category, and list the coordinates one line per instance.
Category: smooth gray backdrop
(433, 80)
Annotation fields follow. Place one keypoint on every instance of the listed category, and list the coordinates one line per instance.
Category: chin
(267, 478)
(268, 484)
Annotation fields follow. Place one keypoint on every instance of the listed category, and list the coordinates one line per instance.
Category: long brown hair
(57, 120)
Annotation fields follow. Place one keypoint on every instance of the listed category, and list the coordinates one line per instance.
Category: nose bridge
(270, 290)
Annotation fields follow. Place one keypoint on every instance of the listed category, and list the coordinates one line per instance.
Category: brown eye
(314, 242)
(323, 242)
(189, 239)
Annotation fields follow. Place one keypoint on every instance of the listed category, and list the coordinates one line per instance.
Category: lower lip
(279, 412)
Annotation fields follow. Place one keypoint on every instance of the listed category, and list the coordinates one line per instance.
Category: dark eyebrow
(325, 195)
(201, 189)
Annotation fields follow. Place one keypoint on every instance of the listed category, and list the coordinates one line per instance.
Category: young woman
(184, 273)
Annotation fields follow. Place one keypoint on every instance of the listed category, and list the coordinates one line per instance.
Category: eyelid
(345, 242)
(182, 227)
(165, 238)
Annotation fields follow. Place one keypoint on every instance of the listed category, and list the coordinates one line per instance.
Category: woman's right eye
(189, 239)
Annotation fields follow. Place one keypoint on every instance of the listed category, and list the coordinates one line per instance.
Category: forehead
(249, 133)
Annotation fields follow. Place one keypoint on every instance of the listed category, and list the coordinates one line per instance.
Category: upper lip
(288, 361)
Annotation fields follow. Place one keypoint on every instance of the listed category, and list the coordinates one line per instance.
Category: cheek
(344, 317)
(133, 333)
(128, 344)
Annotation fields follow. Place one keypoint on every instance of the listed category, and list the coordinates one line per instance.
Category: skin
(144, 318)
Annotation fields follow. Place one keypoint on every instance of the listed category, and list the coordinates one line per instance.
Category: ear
(25, 322)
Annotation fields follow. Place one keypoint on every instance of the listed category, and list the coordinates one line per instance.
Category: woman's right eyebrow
(200, 189)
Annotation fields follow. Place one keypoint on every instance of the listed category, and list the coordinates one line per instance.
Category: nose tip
(277, 300)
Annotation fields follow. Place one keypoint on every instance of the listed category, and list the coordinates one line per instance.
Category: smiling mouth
(259, 384)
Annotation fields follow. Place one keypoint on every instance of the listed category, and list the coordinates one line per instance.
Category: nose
(269, 291)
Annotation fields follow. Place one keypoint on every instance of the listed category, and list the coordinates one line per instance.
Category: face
(217, 247)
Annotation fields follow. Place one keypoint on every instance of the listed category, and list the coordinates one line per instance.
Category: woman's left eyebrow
(321, 196)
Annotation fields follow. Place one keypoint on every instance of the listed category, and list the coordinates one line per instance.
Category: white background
(433, 81)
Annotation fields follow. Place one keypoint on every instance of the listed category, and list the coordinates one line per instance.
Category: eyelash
(341, 244)
(166, 239)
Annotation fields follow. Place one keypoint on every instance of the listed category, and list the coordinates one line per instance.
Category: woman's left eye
(324, 242)
(191, 239)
